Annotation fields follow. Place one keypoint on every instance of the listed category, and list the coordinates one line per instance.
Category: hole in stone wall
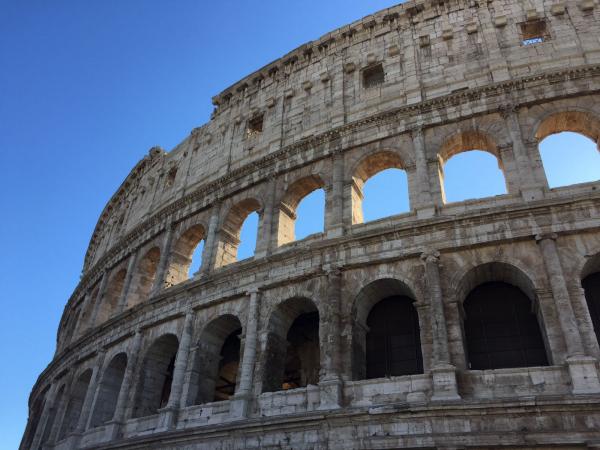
(472, 174)
(569, 158)
(171, 175)
(533, 32)
(591, 286)
(373, 76)
(255, 126)
(385, 194)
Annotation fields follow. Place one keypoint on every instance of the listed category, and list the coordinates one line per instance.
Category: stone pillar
(334, 220)
(168, 414)
(241, 403)
(530, 190)
(210, 245)
(48, 407)
(584, 320)
(99, 297)
(330, 382)
(114, 426)
(443, 373)
(131, 265)
(163, 265)
(424, 204)
(265, 228)
(582, 368)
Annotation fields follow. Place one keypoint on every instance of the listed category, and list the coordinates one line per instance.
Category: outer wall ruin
(281, 350)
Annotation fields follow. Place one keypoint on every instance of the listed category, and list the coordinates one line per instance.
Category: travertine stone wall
(457, 76)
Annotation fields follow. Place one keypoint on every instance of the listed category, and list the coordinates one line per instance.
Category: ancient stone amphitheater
(466, 324)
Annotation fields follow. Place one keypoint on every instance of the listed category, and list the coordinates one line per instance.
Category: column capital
(508, 109)
(545, 236)
(430, 256)
(253, 291)
(416, 131)
(332, 270)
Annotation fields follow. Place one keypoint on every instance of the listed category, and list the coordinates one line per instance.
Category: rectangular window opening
(255, 126)
(373, 76)
(534, 32)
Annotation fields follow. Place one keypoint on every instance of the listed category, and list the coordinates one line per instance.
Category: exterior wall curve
(407, 87)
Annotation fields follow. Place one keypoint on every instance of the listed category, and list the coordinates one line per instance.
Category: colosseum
(471, 324)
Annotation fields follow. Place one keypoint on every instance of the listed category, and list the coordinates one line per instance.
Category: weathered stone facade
(407, 87)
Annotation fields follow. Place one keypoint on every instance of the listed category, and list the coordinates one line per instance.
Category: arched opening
(143, 278)
(231, 236)
(470, 167)
(386, 332)
(387, 191)
(377, 201)
(216, 362)
(111, 296)
(591, 287)
(472, 174)
(186, 256)
(59, 399)
(34, 419)
(569, 158)
(86, 314)
(248, 237)
(302, 210)
(293, 352)
(73, 411)
(501, 328)
(154, 385)
(108, 391)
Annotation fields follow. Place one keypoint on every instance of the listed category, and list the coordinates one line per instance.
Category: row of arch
(189, 249)
(501, 322)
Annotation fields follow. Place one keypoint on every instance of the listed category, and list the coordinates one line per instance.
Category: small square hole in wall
(373, 76)
(534, 32)
(255, 126)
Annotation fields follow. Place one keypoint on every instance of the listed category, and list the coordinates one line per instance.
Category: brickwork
(150, 357)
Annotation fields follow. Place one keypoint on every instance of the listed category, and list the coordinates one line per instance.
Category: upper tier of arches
(319, 95)
(164, 260)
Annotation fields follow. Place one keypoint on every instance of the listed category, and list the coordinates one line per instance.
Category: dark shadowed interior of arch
(248, 237)
(302, 354)
(228, 366)
(385, 194)
(108, 391)
(310, 214)
(75, 403)
(393, 340)
(501, 329)
(59, 399)
(154, 383)
(292, 356)
(215, 362)
(472, 174)
(591, 286)
(569, 158)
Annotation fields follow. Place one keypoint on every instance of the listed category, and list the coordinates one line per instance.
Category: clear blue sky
(86, 88)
